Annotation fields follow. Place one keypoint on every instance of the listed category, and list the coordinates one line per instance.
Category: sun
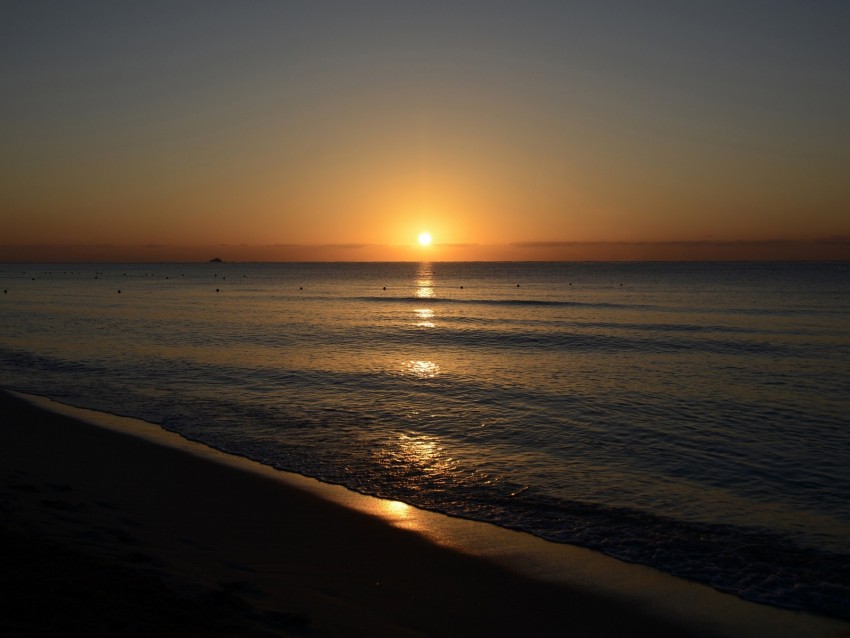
(424, 239)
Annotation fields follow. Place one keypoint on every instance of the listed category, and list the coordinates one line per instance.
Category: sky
(272, 130)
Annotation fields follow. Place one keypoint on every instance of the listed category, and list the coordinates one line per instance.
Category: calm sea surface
(690, 416)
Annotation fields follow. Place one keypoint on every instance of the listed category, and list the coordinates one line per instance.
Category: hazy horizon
(824, 249)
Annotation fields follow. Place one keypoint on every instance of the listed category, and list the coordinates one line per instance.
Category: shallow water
(689, 416)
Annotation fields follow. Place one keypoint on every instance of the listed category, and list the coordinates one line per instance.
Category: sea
(691, 416)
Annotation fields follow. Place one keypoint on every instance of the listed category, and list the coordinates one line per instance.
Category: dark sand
(106, 534)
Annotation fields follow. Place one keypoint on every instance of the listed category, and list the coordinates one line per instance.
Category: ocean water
(694, 417)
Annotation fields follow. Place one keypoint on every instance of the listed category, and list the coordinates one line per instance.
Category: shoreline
(299, 556)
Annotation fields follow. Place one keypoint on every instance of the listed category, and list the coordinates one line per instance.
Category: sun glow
(424, 239)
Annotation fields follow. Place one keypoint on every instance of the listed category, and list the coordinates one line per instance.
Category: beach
(290, 562)
(109, 533)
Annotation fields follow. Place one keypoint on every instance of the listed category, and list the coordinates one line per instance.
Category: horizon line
(826, 248)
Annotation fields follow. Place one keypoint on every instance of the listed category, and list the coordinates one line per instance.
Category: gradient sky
(340, 130)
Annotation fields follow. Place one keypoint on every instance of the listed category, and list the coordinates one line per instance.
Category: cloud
(840, 240)
(833, 248)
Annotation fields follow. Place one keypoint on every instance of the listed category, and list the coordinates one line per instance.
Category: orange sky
(340, 131)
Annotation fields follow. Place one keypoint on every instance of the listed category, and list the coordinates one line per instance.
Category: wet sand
(109, 534)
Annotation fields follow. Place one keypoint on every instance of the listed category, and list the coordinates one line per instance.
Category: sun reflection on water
(425, 315)
(421, 369)
(421, 454)
(424, 281)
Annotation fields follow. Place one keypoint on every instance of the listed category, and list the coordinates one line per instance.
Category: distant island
(215, 260)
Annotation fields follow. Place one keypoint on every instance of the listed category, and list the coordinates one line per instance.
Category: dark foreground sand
(106, 534)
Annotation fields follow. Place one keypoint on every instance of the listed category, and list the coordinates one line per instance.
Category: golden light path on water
(423, 368)
(420, 452)
(425, 316)
(424, 281)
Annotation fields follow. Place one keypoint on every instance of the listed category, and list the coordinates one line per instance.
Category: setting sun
(424, 239)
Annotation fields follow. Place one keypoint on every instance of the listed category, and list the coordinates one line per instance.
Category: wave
(754, 563)
(501, 302)
(751, 562)
(567, 341)
(558, 303)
